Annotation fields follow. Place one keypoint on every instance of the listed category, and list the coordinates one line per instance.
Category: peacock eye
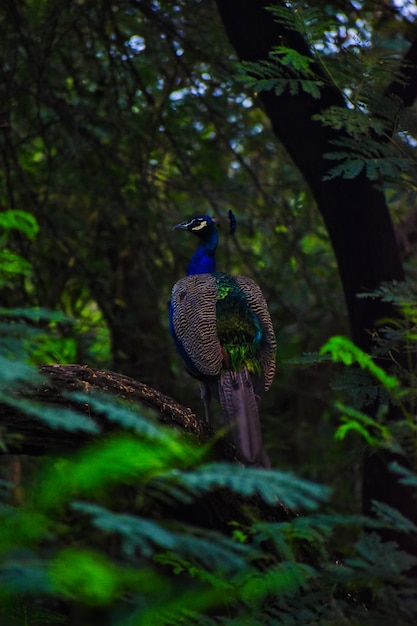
(200, 225)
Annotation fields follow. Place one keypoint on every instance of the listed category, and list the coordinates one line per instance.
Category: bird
(222, 330)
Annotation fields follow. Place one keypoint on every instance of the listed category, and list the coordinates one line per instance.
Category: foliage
(124, 118)
(374, 134)
(12, 264)
(124, 122)
(104, 534)
(345, 351)
(259, 76)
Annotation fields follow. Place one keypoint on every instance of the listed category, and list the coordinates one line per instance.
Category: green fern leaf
(145, 536)
(272, 486)
(406, 476)
(345, 351)
(380, 558)
(392, 518)
(293, 59)
(54, 417)
(349, 169)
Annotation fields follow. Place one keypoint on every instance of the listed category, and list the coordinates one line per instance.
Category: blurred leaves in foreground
(124, 531)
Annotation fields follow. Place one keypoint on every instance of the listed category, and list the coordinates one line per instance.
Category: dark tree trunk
(355, 213)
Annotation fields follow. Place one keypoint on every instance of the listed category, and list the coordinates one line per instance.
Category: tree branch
(214, 510)
(25, 434)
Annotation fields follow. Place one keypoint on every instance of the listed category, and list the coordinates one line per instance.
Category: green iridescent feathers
(238, 328)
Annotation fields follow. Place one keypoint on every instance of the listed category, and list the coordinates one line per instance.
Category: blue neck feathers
(204, 260)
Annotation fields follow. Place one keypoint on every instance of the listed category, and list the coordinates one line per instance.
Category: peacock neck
(204, 259)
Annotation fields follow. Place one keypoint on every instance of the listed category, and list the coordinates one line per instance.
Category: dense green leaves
(345, 55)
(76, 537)
(119, 120)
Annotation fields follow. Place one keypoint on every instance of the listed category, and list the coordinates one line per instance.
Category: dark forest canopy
(120, 119)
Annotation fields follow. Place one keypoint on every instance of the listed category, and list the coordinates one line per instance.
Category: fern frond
(297, 85)
(288, 578)
(15, 372)
(392, 518)
(375, 433)
(401, 294)
(289, 71)
(24, 575)
(146, 536)
(383, 559)
(293, 59)
(377, 159)
(54, 417)
(125, 416)
(34, 314)
(355, 122)
(273, 486)
(309, 22)
(406, 476)
(345, 351)
(123, 458)
(308, 358)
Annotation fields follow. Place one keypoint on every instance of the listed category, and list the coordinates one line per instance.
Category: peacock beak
(181, 226)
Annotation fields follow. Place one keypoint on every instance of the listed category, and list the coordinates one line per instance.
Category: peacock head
(201, 225)
(205, 227)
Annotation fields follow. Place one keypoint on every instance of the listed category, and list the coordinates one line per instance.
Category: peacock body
(223, 331)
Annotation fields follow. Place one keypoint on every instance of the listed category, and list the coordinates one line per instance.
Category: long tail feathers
(240, 410)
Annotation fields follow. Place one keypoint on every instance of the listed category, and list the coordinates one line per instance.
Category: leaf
(355, 122)
(122, 458)
(53, 416)
(145, 536)
(19, 220)
(273, 486)
(14, 371)
(407, 477)
(381, 558)
(11, 263)
(378, 158)
(293, 59)
(369, 428)
(268, 75)
(349, 169)
(35, 314)
(345, 351)
(286, 578)
(393, 518)
(89, 577)
(24, 574)
(128, 417)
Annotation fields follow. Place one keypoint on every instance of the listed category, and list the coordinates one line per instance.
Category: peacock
(223, 332)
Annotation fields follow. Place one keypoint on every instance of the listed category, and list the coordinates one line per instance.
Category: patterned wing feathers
(257, 303)
(193, 301)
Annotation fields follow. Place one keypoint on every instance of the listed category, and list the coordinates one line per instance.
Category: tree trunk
(355, 213)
